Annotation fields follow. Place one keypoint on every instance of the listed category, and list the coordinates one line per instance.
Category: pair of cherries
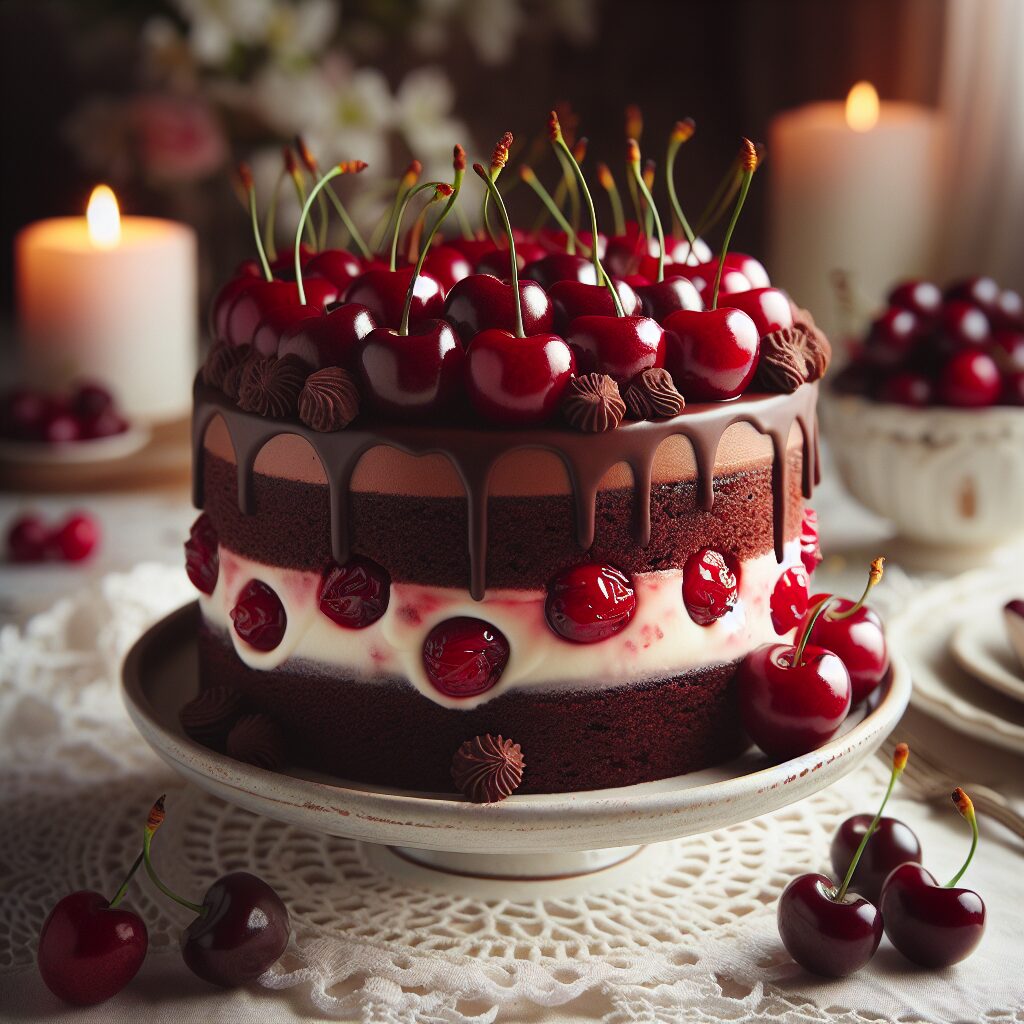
(794, 697)
(31, 539)
(91, 948)
(86, 414)
(829, 930)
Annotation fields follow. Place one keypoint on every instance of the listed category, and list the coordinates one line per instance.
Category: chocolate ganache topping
(791, 356)
(592, 403)
(271, 386)
(209, 717)
(329, 399)
(487, 769)
(221, 359)
(473, 452)
(257, 739)
(652, 395)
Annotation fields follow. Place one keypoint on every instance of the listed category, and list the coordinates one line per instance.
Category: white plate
(942, 688)
(100, 449)
(981, 647)
(160, 676)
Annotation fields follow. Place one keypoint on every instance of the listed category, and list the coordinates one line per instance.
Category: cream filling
(660, 641)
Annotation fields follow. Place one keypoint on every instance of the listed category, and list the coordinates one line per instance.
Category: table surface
(150, 527)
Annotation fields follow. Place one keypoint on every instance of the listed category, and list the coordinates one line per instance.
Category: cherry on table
(76, 538)
(892, 843)
(28, 539)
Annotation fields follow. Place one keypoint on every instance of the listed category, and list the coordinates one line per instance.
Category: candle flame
(103, 218)
(862, 107)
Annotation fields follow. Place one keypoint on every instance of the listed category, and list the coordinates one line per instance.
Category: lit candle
(854, 187)
(112, 299)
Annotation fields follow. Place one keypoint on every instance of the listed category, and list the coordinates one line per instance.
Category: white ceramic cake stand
(524, 844)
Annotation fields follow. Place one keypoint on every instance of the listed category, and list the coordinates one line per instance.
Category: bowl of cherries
(926, 421)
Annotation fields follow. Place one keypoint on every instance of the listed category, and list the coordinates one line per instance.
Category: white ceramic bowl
(953, 478)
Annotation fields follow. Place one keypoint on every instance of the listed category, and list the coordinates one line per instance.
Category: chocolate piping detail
(473, 454)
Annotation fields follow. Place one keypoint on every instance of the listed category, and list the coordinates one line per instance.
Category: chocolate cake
(539, 590)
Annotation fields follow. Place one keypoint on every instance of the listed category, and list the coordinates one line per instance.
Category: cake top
(500, 327)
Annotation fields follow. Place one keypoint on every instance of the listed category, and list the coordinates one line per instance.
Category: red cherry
(1008, 348)
(496, 262)
(355, 595)
(23, 414)
(712, 355)
(220, 308)
(383, 293)
(517, 381)
(572, 299)
(1009, 310)
(61, 427)
(703, 278)
(620, 346)
(412, 375)
(922, 298)
(474, 249)
(252, 303)
(892, 843)
(965, 323)
(907, 388)
(789, 599)
(978, 291)
(339, 266)
(259, 616)
(28, 540)
(970, 379)
(328, 339)
(283, 264)
(266, 339)
(88, 952)
(91, 400)
(858, 640)
(789, 708)
(752, 269)
(663, 298)
(769, 308)
(202, 557)
(810, 549)
(590, 602)
(483, 302)
(447, 265)
(560, 267)
(105, 424)
(76, 539)
(464, 656)
(891, 336)
(710, 588)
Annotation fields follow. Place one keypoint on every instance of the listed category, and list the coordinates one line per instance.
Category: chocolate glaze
(474, 452)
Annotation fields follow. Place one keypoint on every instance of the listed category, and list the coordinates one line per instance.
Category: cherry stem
(300, 191)
(119, 895)
(571, 239)
(805, 636)
(874, 578)
(607, 180)
(332, 173)
(393, 264)
(602, 277)
(647, 177)
(899, 762)
(570, 188)
(405, 183)
(464, 226)
(439, 194)
(498, 160)
(270, 220)
(250, 188)
(350, 224)
(719, 201)
(492, 190)
(749, 166)
(634, 166)
(156, 817)
(966, 809)
(677, 138)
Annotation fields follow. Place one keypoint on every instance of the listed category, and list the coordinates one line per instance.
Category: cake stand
(523, 846)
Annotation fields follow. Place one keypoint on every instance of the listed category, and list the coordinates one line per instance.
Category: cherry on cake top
(961, 347)
(488, 327)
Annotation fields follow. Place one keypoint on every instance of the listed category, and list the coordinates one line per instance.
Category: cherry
(560, 267)
(220, 307)
(710, 588)
(590, 602)
(474, 249)
(339, 266)
(448, 265)
(88, 949)
(752, 269)
(328, 339)
(240, 932)
(28, 540)
(383, 293)
(933, 925)
(355, 595)
(907, 388)
(1009, 310)
(202, 558)
(90, 401)
(23, 414)
(573, 299)
(824, 928)
(970, 379)
(977, 291)
(1008, 348)
(965, 323)
(483, 302)
(662, 298)
(789, 600)
(266, 339)
(1013, 388)
(892, 843)
(810, 549)
(463, 657)
(769, 308)
(262, 297)
(76, 539)
(703, 278)
(892, 335)
(259, 616)
(60, 426)
(922, 298)
(104, 424)
(620, 346)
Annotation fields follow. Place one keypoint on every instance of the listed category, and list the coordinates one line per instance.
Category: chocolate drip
(474, 453)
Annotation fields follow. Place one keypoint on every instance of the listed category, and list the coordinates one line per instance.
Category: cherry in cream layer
(661, 640)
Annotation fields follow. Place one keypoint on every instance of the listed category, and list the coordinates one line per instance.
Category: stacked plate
(965, 667)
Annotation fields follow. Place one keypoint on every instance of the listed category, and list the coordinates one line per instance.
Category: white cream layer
(660, 641)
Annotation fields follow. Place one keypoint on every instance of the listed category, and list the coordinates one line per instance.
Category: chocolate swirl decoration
(329, 399)
(220, 360)
(652, 395)
(791, 356)
(271, 386)
(487, 769)
(592, 403)
(208, 718)
(257, 739)
(232, 381)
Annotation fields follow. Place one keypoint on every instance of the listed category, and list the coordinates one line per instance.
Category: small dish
(981, 648)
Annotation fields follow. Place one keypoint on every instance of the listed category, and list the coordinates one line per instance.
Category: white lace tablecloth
(696, 941)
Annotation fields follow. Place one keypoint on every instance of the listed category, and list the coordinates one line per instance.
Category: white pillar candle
(854, 187)
(111, 299)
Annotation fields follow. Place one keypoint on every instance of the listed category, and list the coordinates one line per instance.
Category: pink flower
(178, 139)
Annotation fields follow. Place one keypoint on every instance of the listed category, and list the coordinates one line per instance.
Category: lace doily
(695, 943)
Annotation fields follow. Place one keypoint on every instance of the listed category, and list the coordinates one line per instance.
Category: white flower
(298, 31)
(215, 26)
(492, 27)
(424, 104)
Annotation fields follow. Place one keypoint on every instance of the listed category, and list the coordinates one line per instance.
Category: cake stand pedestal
(525, 845)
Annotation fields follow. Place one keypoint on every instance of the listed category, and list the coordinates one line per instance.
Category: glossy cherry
(933, 925)
(202, 559)
(483, 302)
(448, 265)
(810, 549)
(981, 291)
(328, 339)
(241, 932)
(892, 843)
(922, 298)
(560, 267)
(702, 277)
(711, 355)
(907, 388)
(383, 293)
(965, 323)
(464, 656)
(60, 425)
(858, 639)
(590, 602)
(90, 400)
(339, 266)
(259, 616)
(1009, 311)
(355, 595)
(263, 297)
(663, 298)
(970, 379)
(89, 948)
(790, 598)
(28, 539)
(76, 538)
(892, 336)
(620, 346)
(1008, 349)
(222, 302)
(573, 299)
(710, 587)
(769, 308)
